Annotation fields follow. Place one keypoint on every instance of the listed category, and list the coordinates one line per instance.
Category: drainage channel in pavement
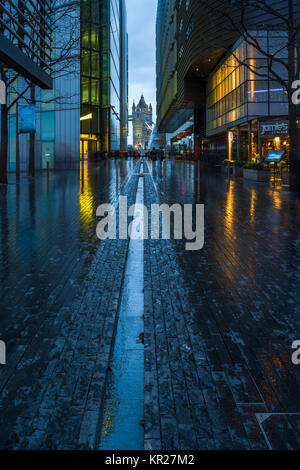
(122, 427)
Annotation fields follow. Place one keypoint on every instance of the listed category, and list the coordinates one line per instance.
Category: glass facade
(115, 75)
(166, 61)
(236, 93)
(90, 84)
(81, 114)
(101, 63)
(47, 128)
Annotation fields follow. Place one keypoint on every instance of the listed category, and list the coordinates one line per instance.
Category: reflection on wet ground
(59, 299)
(48, 237)
(219, 323)
(122, 427)
(232, 317)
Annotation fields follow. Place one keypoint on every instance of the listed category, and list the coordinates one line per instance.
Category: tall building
(104, 63)
(26, 54)
(142, 123)
(124, 79)
(205, 97)
(166, 64)
(86, 110)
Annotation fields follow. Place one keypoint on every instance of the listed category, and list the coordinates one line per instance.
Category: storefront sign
(274, 128)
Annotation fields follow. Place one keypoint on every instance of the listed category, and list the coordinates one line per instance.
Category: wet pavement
(218, 323)
(123, 411)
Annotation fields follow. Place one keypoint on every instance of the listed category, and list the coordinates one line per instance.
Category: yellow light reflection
(86, 117)
(108, 422)
(86, 199)
(253, 205)
(230, 141)
(229, 207)
(277, 201)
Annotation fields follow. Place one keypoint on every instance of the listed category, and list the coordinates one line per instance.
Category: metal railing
(28, 24)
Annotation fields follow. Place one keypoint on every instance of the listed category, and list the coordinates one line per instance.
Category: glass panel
(95, 92)
(95, 64)
(85, 36)
(85, 10)
(85, 62)
(258, 91)
(47, 125)
(47, 155)
(105, 94)
(95, 38)
(277, 93)
(95, 11)
(85, 90)
(105, 65)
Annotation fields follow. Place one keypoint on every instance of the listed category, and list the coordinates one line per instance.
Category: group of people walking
(156, 154)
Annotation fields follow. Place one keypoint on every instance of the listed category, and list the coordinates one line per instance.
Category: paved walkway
(219, 323)
(60, 294)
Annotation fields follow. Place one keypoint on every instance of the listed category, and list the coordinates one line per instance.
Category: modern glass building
(166, 63)
(203, 95)
(26, 53)
(241, 105)
(55, 120)
(103, 76)
(86, 111)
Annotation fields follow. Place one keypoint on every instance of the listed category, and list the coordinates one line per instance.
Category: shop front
(253, 140)
(274, 135)
(183, 144)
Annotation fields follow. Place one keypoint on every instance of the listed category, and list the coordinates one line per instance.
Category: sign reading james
(274, 128)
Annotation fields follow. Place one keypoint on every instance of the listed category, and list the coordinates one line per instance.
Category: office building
(104, 76)
(84, 111)
(209, 100)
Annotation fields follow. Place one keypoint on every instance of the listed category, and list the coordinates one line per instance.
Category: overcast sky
(141, 15)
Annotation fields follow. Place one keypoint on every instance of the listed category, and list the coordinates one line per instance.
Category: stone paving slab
(219, 323)
(59, 341)
(222, 320)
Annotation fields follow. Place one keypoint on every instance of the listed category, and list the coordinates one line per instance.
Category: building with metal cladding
(26, 39)
(141, 123)
(196, 43)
